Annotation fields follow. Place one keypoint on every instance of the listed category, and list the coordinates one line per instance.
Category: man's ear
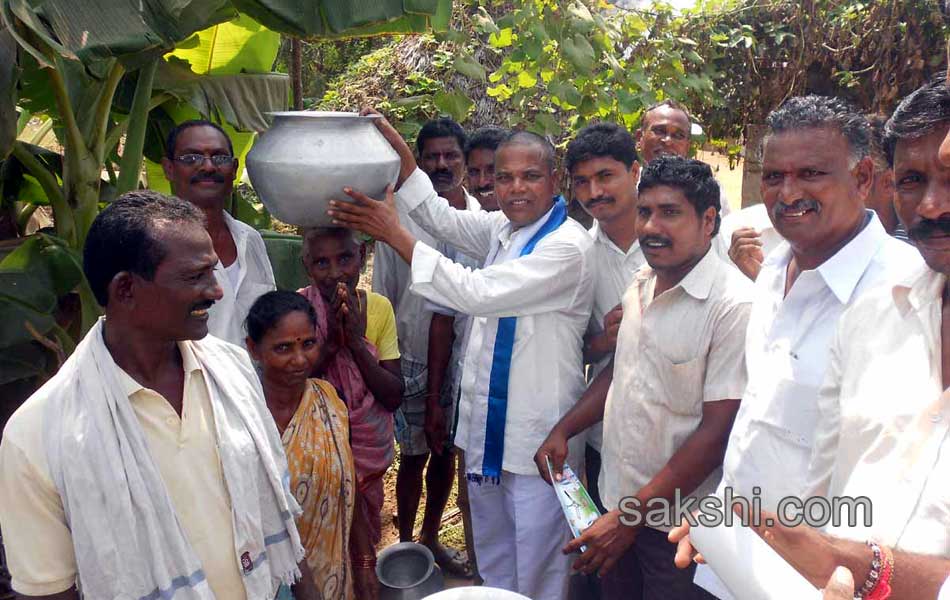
(121, 290)
(709, 219)
(863, 173)
(635, 170)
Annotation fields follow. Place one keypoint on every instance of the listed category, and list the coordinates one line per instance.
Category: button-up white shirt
(884, 417)
(548, 290)
(255, 278)
(613, 273)
(674, 353)
(787, 351)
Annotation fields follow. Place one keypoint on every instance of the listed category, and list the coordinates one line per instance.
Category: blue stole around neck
(501, 362)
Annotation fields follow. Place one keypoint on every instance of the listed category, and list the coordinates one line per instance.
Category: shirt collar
(697, 283)
(920, 287)
(239, 231)
(597, 232)
(842, 271)
(189, 364)
(471, 202)
(508, 233)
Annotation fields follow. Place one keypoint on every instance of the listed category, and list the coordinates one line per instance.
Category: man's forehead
(921, 150)
(666, 115)
(807, 144)
(200, 137)
(184, 243)
(521, 156)
(662, 195)
(441, 144)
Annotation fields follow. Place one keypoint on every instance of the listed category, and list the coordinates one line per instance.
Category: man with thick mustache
(530, 305)
(149, 466)
(816, 174)
(200, 164)
(668, 399)
(480, 164)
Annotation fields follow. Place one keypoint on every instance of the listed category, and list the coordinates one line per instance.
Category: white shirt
(550, 293)
(255, 277)
(391, 278)
(674, 353)
(884, 417)
(460, 325)
(787, 351)
(613, 273)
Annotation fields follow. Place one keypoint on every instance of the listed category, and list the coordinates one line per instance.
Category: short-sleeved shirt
(674, 353)
(35, 528)
(381, 326)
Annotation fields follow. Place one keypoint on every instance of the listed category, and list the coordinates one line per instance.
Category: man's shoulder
(880, 305)
(224, 350)
(891, 263)
(573, 233)
(26, 425)
(376, 302)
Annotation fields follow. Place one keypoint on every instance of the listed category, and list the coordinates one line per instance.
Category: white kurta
(787, 351)
(255, 277)
(885, 416)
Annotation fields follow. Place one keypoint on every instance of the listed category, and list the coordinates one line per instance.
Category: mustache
(780, 209)
(598, 200)
(655, 238)
(442, 173)
(930, 227)
(215, 177)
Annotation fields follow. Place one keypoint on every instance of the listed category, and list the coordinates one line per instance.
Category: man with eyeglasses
(200, 164)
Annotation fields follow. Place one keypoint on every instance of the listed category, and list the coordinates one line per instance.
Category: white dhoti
(519, 531)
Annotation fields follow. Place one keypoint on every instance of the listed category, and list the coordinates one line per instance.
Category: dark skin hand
(383, 378)
(604, 343)
(746, 252)
(441, 338)
(816, 555)
(608, 538)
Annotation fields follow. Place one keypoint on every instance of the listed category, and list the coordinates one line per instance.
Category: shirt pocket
(682, 383)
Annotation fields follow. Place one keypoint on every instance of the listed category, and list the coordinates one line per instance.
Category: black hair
(440, 128)
(122, 238)
(876, 124)
(692, 177)
(813, 111)
(919, 114)
(528, 138)
(486, 138)
(599, 140)
(669, 102)
(270, 308)
(174, 133)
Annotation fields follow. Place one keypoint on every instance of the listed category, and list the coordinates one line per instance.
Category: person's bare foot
(450, 560)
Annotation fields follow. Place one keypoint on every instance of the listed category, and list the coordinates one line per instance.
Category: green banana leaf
(348, 18)
(227, 58)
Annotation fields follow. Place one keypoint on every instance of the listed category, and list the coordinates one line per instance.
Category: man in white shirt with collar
(674, 386)
(523, 370)
(816, 173)
(602, 163)
(200, 164)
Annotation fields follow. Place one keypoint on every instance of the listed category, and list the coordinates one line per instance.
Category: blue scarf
(501, 362)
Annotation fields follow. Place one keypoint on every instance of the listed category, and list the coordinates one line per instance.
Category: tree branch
(61, 210)
(115, 134)
(104, 109)
(131, 164)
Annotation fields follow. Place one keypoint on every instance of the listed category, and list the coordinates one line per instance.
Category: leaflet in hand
(579, 509)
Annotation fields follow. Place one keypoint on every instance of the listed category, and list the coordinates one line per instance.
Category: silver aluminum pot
(407, 571)
(306, 158)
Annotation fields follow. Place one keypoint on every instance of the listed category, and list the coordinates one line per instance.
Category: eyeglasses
(218, 160)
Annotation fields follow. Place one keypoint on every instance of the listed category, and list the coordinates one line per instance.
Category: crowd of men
(795, 349)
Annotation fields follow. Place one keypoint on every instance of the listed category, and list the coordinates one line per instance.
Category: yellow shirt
(35, 529)
(381, 326)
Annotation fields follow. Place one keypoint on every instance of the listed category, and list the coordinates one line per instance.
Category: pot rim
(321, 114)
(409, 547)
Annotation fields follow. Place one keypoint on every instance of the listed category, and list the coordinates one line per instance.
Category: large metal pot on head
(407, 571)
(306, 158)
